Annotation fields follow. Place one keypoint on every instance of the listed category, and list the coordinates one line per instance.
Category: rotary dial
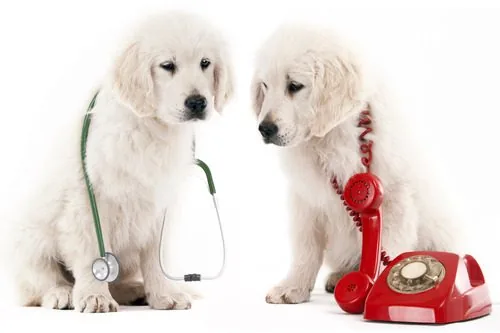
(415, 275)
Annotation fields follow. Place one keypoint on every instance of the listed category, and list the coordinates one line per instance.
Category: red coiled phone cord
(365, 148)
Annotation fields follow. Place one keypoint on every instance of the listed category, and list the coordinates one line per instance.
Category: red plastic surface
(462, 295)
(363, 194)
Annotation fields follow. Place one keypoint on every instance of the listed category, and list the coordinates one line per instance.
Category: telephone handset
(417, 287)
(363, 194)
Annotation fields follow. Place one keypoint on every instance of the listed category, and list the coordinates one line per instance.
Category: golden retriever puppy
(172, 72)
(308, 92)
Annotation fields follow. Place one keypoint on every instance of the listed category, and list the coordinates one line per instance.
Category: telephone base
(461, 294)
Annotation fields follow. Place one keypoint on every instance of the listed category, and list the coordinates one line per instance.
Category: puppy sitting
(308, 92)
(173, 72)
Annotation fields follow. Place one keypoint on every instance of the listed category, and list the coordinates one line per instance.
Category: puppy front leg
(308, 244)
(89, 294)
(161, 293)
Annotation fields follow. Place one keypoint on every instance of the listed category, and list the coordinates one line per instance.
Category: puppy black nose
(196, 104)
(268, 129)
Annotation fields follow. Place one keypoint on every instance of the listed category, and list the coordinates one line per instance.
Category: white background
(441, 58)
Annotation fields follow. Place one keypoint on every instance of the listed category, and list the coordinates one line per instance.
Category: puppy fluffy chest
(138, 183)
(310, 168)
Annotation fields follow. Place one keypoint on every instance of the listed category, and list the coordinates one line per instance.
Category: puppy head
(174, 68)
(305, 84)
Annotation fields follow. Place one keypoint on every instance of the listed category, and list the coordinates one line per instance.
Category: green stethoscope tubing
(105, 256)
(93, 205)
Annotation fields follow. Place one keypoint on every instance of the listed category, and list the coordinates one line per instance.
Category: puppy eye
(264, 84)
(204, 63)
(294, 87)
(169, 66)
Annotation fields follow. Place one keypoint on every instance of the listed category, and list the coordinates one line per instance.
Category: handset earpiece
(363, 194)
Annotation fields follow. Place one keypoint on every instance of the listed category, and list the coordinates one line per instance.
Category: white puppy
(172, 72)
(308, 92)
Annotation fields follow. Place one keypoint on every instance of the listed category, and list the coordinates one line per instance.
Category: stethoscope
(107, 267)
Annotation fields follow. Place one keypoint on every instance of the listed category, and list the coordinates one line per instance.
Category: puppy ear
(337, 89)
(223, 83)
(133, 81)
(257, 96)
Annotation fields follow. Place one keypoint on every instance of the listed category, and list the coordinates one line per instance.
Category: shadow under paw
(129, 293)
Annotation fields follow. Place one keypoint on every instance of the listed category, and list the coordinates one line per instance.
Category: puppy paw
(174, 301)
(58, 298)
(95, 303)
(288, 295)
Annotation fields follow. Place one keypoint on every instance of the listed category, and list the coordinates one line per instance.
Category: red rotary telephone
(416, 287)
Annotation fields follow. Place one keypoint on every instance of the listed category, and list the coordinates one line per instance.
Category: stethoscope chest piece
(106, 268)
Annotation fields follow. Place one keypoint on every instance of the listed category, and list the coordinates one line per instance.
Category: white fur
(138, 150)
(318, 138)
